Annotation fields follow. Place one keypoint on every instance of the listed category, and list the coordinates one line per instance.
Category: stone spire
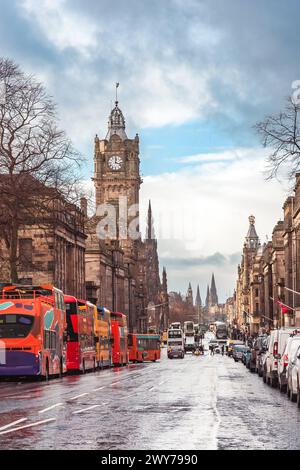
(150, 234)
(252, 240)
(116, 123)
(189, 295)
(207, 300)
(198, 301)
(213, 291)
(164, 280)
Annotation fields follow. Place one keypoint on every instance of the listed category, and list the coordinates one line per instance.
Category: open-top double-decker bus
(119, 339)
(102, 336)
(32, 331)
(81, 344)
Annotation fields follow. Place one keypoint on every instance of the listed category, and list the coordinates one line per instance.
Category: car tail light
(285, 360)
(275, 349)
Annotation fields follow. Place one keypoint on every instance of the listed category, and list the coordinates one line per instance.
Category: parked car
(246, 359)
(292, 344)
(238, 351)
(277, 344)
(293, 375)
(296, 376)
(263, 359)
(231, 344)
(256, 351)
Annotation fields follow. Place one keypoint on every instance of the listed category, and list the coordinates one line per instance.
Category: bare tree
(281, 133)
(38, 163)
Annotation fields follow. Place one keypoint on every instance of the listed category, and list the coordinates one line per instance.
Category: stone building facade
(52, 252)
(269, 275)
(122, 270)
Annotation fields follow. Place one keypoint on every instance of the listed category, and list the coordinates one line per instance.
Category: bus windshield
(175, 334)
(15, 326)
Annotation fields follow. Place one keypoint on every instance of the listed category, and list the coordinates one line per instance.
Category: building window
(256, 292)
(257, 308)
(25, 253)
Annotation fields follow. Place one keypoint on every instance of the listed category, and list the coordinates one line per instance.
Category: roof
(116, 123)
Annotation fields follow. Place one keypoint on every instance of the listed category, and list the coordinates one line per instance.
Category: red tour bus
(143, 347)
(81, 348)
(32, 331)
(119, 340)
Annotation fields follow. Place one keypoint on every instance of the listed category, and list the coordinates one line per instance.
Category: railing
(26, 292)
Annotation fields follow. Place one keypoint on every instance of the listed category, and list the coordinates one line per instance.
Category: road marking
(28, 426)
(152, 388)
(51, 408)
(161, 383)
(88, 408)
(128, 396)
(13, 423)
(115, 383)
(78, 396)
(96, 389)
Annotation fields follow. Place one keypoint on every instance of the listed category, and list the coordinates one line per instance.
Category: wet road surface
(194, 403)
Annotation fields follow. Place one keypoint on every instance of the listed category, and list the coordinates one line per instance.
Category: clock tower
(122, 270)
(117, 172)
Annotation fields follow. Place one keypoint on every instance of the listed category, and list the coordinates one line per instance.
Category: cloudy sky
(195, 76)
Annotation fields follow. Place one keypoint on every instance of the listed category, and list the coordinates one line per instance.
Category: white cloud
(204, 209)
(226, 155)
(62, 26)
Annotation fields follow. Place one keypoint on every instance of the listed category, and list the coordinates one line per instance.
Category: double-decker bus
(119, 339)
(102, 337)
(175, 343)
(32, 331)
(143, 347)
(189, 336)
(81, 344)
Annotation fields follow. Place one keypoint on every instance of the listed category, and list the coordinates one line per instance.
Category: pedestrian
(223, 349)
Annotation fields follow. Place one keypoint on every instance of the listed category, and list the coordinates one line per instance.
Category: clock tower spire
(117, 169)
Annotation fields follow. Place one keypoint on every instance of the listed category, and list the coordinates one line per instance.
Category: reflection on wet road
(194, 403)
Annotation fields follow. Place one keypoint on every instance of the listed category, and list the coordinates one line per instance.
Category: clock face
(115, 162)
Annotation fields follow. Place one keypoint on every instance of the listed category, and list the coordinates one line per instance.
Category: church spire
(150, 234)
(164, 280)
(207, 300)
(198, 301)
(189, 295)
(213, 291)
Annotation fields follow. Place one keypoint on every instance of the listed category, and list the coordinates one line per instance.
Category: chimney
(83, 206)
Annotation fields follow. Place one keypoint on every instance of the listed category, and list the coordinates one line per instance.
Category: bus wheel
(94, 366)
(83, 367)
(155, 358)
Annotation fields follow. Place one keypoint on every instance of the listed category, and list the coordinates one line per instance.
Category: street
(194, 403)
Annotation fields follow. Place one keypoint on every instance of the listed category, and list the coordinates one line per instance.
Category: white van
(278, 339)
(292, 344)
